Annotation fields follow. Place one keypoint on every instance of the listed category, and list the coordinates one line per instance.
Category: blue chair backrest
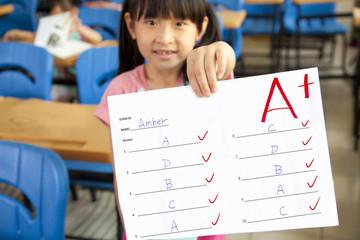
(259, 9)
(25, 71)
(95, 68)
(23, 17)
(234, 5)
(232, 36)
(326, 25)
(105, 21)
(41, 176)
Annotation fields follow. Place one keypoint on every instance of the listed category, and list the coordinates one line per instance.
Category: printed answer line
(273, 154)
(273, 219)
(171, 211)
(266, 133)
(136, 129)
(278, 175)
(160, 169)
(190, 230)
(156, 148)
(171, 189)
(288, 195)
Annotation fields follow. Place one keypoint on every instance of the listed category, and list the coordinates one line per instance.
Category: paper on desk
(52, 34)
(252, 157)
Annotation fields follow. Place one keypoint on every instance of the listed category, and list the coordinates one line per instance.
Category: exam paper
(252, 157)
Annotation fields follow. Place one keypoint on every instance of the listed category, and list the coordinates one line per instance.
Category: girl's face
(165, 43)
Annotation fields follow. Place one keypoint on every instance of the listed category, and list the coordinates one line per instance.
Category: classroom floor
(97, 220)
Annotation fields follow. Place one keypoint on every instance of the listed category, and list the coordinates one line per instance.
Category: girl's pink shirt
(128, 82)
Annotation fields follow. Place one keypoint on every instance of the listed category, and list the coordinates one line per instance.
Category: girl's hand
(207, 64)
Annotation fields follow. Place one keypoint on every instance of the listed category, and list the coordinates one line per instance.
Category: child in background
(78, 31)
(180, 40)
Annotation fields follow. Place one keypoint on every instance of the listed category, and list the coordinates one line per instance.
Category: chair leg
(120, 229)
(73, 192)
(356, 103)
(92, 194)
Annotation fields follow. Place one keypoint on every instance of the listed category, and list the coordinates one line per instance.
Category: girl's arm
(87, 33)
(207, 64)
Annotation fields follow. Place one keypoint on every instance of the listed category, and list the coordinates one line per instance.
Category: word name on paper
(252, 157)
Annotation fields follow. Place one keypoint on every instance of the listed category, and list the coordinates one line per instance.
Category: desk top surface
(232, 19)
(69, 129)
(6, 9)
(71, 61)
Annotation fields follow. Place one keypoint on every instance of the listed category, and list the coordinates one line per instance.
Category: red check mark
(307, 141)
(310, 186)
(312, 209)
(203, 136)
(207, 158)
(309, 164)
(210, 178)
(304, 124)
(214, 199)
(216, 220)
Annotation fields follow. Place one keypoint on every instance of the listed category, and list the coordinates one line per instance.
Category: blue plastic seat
(41, 176)
(25, 71)
(105, 21)
(233, 36)
(262, 19)
(23, 17)
(95, 68)
(313, 26)
(316, 20)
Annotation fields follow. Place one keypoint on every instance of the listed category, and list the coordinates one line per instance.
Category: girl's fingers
(192, 78)
(210, 72)
(201, 77)
(221, 61)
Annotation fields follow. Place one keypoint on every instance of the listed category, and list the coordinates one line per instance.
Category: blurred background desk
(232, 19)
(6, 9)
(71, 130)
(70, 61)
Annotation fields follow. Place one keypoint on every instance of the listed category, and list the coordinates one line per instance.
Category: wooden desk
(356, 16)
(71, 130)
(70, 62)
(232, 19)
(103, 4)
(6, 9)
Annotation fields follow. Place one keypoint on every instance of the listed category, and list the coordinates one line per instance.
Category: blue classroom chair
(25, 71)
(317, 20)
(42, 179)
(234, 37)
(264, 20)
(94, 68)
(23, 17)
(105, 21)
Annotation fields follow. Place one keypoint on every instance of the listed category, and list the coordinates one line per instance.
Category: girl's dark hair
(195, 10)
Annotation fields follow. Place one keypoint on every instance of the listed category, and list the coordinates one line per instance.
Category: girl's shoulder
(128, 82)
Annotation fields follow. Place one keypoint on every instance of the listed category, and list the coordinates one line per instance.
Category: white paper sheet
(252, 157)
(52, 34)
